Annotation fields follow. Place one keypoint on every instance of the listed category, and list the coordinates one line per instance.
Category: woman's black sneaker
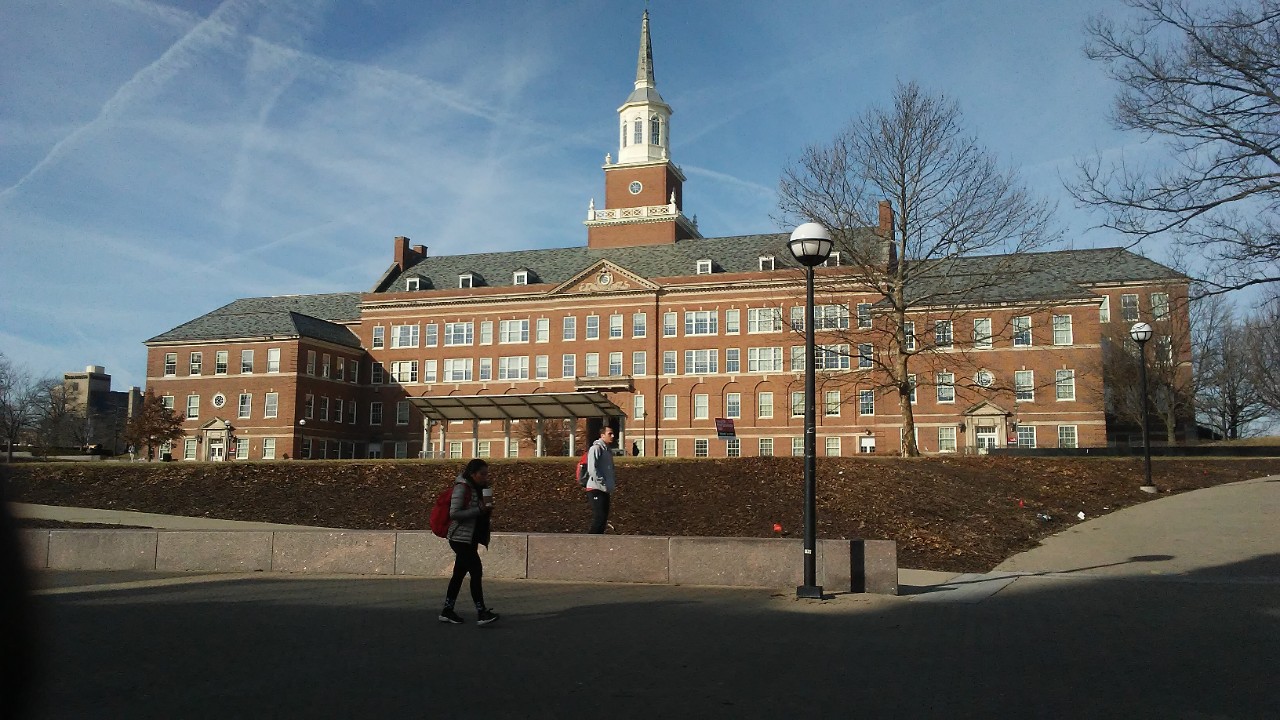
(449, 616)
(487, 616)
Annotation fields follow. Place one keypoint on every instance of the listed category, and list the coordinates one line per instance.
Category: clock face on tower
(635, 187)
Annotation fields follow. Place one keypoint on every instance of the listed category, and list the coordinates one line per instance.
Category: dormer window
(520, 277)
(833, 260)
(766, 262)
(466, 280)
(412, 283)
(704, 267)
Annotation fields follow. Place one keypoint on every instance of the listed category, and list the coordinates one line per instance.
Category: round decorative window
(219, 400)
(985, 378)
(606, 277)
(635, 187)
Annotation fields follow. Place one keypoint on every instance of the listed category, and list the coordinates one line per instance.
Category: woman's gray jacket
(466, 515)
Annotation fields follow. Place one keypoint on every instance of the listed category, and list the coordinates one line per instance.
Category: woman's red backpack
(440, 511)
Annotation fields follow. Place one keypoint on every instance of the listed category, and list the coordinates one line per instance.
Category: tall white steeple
(644, 120)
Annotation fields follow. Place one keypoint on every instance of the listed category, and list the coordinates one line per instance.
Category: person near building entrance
(635, 449)
(600, 479)
(470, 508)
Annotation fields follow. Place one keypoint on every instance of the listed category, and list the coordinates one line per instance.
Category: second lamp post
(811, 245)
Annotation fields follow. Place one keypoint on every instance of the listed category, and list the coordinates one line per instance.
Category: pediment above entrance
(603, 277)
(988, 408)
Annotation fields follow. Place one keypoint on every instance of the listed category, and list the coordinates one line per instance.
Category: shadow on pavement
(372, 648)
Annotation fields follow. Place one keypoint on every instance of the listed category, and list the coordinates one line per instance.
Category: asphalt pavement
(1156, 617)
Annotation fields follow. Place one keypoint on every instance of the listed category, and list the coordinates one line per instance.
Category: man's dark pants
(599, 500)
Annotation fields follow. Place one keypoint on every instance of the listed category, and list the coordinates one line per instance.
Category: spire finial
(644, 67)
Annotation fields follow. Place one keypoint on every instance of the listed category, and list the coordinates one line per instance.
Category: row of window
(323, 449)
(270, 405)
(221, 362)
(1129, 310)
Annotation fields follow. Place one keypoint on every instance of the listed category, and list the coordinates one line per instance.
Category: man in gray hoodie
(600, 479)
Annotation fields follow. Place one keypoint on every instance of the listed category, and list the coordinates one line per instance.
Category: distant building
(674, 329)
(104, 411)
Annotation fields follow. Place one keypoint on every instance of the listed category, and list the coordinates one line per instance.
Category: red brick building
(674, 329)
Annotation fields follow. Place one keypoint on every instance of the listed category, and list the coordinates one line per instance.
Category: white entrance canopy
(535, 406)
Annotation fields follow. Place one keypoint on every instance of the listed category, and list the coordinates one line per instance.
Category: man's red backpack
(440, 511)
(583, 474)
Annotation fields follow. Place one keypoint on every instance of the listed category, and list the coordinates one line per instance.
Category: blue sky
(160, 159)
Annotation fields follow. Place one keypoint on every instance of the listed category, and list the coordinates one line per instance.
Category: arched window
(624, 133)
(655, 131)
(638, 139)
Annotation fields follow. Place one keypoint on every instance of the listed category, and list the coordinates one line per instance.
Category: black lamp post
(811, 245)
(1141, 333)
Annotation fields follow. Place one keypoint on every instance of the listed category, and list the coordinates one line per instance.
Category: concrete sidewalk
(140, 519)
(1177, 535)
(1225, 534)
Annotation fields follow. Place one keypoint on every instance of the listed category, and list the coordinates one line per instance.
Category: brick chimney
(406, 256)
(886, 220)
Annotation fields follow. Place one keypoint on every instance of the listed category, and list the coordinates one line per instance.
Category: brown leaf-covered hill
(957, 514)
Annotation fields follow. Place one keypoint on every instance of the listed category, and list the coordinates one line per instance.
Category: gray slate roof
(557, 265)
(1056, 275)
(311, 316)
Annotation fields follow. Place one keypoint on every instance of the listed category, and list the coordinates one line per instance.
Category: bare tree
(153, 425)
(555, 434)
(953, 202)
(1262, 332)
(60, 422)
(1178, 344)
(1203, 80)
(19, 403)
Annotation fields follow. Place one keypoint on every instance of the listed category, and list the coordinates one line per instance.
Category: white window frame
(947, 439)
(244, 408)
(764, 320)
(943, 334)
(520, 277)
(1062, 334)
(1022, 336)
(670, 325)
(733, 405)
(246, 359)
(268, 448)
(670, 407)
(568, 365)
(1129, 307)
(764, 404)
(701, 362)
(982, 333)
(271, 405)
(765, 446)
(170, 364)
(704, 267)
(1024, 385)
(1073, 432)
(764, 360)
(591, 365)
(946, 386)
(458, 370)
(639, 363)
(831, 446)
(459, 334)
(221, 362)
(466, 281)
(513, 332)
(404, 336)
(375, 413)
(1104, 309)
(701, 406)
(402, 412)
(615, 326)
(767, 263)
(701, 323)
(732, 360)
(1064, 385)
(569, 329)
(615, 364)
(831, 403)
(193, 407)
(639, 325)
(542, 333)
(1159, 305)
(379, 337)
(866, 402)
(593, 328)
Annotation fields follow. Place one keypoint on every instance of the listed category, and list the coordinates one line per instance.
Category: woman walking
(469, 512)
